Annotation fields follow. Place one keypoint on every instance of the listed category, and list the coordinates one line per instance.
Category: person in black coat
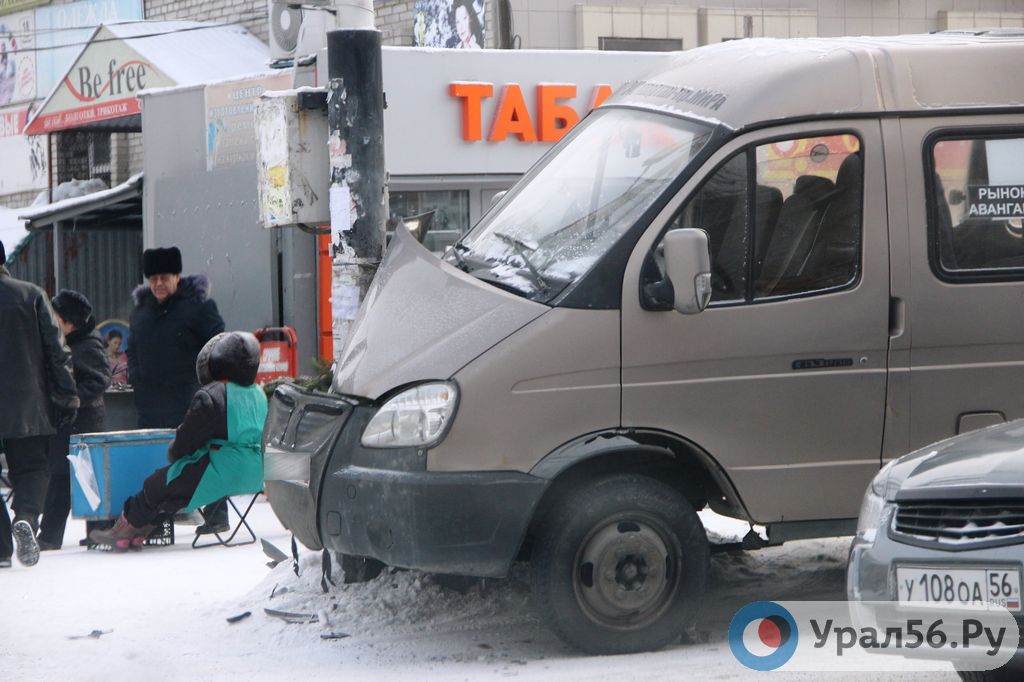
(173, 319)
(39, 394)
(92, 376)
(203, 441)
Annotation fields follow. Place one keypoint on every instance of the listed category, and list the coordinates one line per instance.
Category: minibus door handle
(897, 317)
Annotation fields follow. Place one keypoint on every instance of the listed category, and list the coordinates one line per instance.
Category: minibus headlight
(416, 417)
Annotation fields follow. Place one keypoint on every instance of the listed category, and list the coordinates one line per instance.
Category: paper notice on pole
(81, 462)
(344, 302)
(341, 212)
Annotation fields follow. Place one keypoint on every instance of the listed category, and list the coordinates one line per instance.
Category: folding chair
(242, 523)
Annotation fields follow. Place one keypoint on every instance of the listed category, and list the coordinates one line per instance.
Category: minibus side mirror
(688, 267)
(498, 196)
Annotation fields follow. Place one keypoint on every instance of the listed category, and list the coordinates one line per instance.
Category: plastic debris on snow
(290, 617)
(95, 634)
(276, 555)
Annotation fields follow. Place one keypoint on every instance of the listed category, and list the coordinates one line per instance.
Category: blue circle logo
(763, 636)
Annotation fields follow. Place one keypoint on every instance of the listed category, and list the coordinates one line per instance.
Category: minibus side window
(812, 243)
(720, 208)
(783, 219)
(977, 208)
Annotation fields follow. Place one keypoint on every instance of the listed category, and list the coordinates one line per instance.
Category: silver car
(946, 524)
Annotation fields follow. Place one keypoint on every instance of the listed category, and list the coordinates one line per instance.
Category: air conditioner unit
(298, 28)
(285, 22)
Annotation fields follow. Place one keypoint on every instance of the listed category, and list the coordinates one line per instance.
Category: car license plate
(972, 588)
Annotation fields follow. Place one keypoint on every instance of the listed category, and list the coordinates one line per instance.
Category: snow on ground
(166, 609)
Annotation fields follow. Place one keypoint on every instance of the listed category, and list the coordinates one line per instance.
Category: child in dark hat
(92, 376)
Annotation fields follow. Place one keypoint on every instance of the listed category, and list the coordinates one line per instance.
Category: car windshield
(571, 208)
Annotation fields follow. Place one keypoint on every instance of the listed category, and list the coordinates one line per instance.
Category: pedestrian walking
(92, 377)
(39, 397)
(173, 319)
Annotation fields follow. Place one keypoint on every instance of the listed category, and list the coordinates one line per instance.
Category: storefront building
(39, 38)
(461, 124)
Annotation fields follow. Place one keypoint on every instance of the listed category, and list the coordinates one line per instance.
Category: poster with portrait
(115, 334)
(17, 58)
(457, 24)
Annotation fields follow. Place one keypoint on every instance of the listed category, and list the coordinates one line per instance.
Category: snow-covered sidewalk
(166, 609)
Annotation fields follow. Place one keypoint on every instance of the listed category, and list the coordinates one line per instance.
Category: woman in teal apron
(216, 449)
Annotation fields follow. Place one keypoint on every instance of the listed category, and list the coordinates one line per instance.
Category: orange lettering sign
(512, 117)
(553, 119)
(471, 94)
(554, 116)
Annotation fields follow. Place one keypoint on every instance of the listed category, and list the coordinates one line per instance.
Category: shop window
(783, 219)
(640, 44)
(450, 213)
(83, 155)
(977, 207)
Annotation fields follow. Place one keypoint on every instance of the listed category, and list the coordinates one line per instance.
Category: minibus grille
(961, 523)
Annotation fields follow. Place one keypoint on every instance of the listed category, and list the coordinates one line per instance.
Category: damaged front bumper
(299, 435)
(384, 504)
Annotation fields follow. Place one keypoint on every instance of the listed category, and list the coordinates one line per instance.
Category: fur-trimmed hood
(191, 287)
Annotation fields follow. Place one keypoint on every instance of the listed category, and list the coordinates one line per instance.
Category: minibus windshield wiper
(460, 262)
(520, 246)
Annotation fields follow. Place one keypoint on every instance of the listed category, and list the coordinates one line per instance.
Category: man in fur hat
(92, 376)
(40, 395)
(173, 319)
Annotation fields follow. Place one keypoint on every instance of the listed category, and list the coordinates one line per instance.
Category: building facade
(39, 38)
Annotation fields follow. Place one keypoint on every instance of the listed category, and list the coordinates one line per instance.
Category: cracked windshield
(552, 228)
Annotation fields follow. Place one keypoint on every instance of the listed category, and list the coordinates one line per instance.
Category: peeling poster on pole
(344, 302)
(341, 214)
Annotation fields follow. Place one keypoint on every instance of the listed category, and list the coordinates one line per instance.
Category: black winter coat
(92, 376)
(207, 418)
(35, 364)
(165, 340)
(229, 358)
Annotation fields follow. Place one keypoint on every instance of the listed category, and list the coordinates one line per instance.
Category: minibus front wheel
(619, 565)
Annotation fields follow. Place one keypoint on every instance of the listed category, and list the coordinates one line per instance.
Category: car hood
(423, 319)
(985, 463)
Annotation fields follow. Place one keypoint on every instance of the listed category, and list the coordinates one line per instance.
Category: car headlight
(870, 517)
(872, 507)
(417, 417)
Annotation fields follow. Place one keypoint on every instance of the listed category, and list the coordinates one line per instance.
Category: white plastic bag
(81, 462)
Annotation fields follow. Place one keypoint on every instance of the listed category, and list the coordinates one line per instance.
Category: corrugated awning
(119, 207)
(101, 87)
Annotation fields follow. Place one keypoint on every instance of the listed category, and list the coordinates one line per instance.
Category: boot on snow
(122, 537)
(25, 538)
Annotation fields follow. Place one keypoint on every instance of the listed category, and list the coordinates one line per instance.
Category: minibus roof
(743, 83)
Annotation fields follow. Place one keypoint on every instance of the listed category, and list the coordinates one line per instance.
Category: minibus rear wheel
(619, 565)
